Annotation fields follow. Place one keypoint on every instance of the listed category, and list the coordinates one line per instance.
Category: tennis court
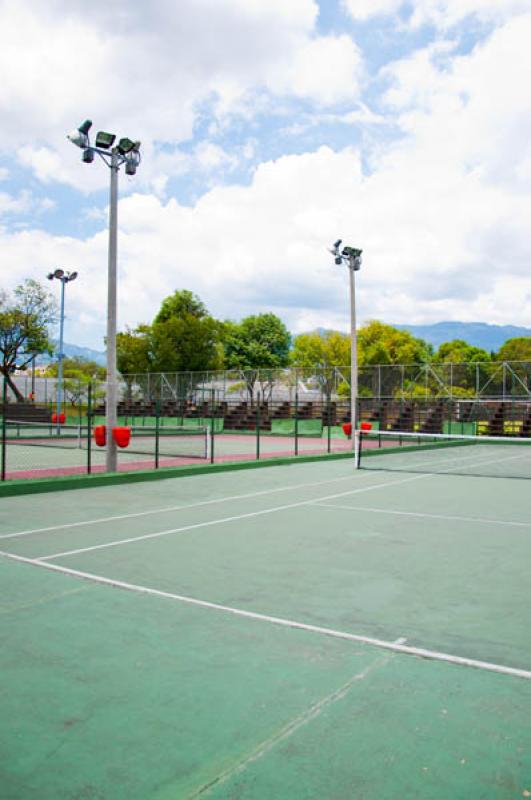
(301, 631)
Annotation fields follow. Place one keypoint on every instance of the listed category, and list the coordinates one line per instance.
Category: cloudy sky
(269, 129)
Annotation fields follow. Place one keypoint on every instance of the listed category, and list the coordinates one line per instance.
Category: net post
(357, 451)
(328, 425)
(157, 432)
(4, 443)
(297, 421)
(258, 426)
(89, 429)
(212, 425)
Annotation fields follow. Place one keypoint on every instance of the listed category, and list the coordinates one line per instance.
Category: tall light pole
(64, 277)
(351, 256)
(125, 152)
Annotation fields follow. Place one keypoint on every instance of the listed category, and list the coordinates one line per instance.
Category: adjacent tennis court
(302, 631)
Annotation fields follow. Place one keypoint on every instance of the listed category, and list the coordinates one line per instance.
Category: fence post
(89, 429)
(212, 424)
(329, 422)
(297, 421)
(157, 432)
(4, 443)
(258, 400)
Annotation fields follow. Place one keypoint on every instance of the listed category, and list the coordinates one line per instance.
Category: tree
(184, 337)
(133, 350)
(24, 321)
(517, 349)
(78, 374)
(460, 352)
(322, 353)
(258, 344)
(383, 344)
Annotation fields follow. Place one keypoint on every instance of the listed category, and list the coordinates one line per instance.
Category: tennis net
(176, 442)
(446, 454)
(44, 434)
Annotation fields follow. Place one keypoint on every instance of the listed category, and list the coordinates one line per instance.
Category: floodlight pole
(353, 361)
(60, 354)
(64, 278)
(126, 152)
(111, 457)
(351, 256)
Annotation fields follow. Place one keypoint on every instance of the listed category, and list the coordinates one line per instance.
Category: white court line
(446, 517)
(166, 509)
(395, 646)
(240, 516)
(210, 523)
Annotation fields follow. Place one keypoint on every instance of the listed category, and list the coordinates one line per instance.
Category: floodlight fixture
(125, 145)
(105, 140)
(337, 244)
(352, 252)
(88, 155)
(72, 276)
(80, 136)
(50, 276)
(59, 273)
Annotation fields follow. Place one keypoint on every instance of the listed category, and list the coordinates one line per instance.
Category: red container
(121, 435)
(100, 435)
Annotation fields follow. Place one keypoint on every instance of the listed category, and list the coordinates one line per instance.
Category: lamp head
(105, 140)
(50, 276)
(59, 273)
(125, 145)
(85, 127)
(72, 276)
(88, 156)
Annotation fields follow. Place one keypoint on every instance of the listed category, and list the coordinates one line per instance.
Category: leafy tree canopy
(328, 349)
(133, 350)
(517, 349)
(78, 367)
(25, 318)
(383, 344)
(459, 352)
(261, 341)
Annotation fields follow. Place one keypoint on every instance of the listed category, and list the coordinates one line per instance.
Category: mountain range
(479, 334)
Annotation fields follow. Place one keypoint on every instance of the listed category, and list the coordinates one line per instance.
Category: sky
(269, 129)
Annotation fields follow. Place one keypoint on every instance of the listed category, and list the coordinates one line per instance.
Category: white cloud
(443, 14)
(327, 69)
(364, 9)
(145, 71)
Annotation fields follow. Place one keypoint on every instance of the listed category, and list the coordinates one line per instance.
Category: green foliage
(133, 350)
(460, 352)
(182, 338)
(322, 353)
(24, 321)
(78, 373)
(517, 349)
(383, 344)
(321, 350)
(258, 343)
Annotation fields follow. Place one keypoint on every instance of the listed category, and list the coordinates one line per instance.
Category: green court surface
(304, 631)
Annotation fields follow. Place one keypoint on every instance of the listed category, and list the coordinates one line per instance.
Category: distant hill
(479, 334)
(72, 350)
